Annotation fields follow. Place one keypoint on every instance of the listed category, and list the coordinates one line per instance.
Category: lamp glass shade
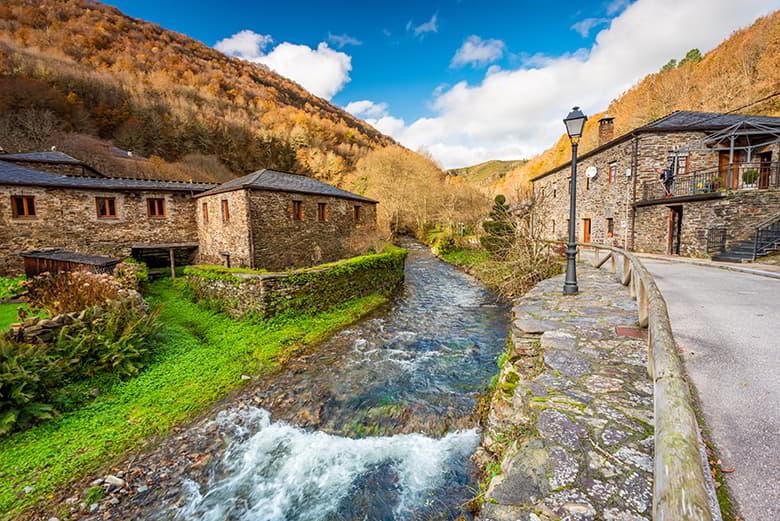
(575, 122)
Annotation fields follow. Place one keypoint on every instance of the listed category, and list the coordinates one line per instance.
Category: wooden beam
(173, 263)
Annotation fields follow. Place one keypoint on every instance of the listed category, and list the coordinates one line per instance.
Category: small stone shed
(278, 220)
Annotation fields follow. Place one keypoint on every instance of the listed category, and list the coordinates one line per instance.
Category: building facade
(236, 223)
(717, 198)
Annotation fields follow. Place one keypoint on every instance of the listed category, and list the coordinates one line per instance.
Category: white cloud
(244, 44)
(478, 52)
(615, 6)
(322, 71)
(517, 113)
(342, 40)
(584, 26)
(366, 108)
(431, 26)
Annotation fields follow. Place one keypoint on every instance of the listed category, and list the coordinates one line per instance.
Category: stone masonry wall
(740, 212)
(67, 218)
(312, 290)
(280, 242)
(217, 236)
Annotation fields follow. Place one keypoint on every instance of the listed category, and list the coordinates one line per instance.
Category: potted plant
(749, 178)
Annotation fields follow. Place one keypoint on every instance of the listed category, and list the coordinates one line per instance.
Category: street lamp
(574, 122)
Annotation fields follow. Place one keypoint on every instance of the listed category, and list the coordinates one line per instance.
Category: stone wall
(280, 242)
(599, 200)
(740, 212)
(262, 232)
(67, 218)
(248, 293)
(218, 236)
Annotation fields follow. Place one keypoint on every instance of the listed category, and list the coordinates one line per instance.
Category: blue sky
(502, 71)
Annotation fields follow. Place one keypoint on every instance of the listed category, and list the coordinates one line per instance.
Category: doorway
(674, 234)
(764, 169)
(723, 169)
(586, 230)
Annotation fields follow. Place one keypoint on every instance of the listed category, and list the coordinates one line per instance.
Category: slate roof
(53, 156)
(275, 181)
(689, 120)
(11, 174)
(57, 254)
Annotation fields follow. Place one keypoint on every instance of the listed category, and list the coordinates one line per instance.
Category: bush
(131, 274)
(10, 286)
(499, 229)
(64, 292)
(749, 177)
(114, 338)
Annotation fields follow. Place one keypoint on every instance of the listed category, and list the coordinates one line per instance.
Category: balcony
(713, 182)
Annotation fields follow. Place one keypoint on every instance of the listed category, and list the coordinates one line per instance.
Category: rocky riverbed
(376, 423)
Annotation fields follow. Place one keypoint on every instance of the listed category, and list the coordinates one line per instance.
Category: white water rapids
(272, 470)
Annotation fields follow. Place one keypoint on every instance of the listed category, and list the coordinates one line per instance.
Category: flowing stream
(378, 423)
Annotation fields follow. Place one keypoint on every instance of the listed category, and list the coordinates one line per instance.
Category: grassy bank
(200, 359)
(478, 263)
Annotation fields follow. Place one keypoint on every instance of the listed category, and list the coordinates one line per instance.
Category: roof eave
(217, 191)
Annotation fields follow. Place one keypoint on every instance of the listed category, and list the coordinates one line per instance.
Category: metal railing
(744, 176)
(679, 486)
(716, 240)
(767, 237)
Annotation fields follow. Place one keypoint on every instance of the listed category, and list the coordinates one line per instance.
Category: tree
(671, 64)
(499, 229)
(692, 56)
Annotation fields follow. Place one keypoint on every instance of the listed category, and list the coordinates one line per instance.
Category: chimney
(606, 129)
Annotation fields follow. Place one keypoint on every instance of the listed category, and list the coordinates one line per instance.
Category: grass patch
(200, 359)
(10, 286)
(9, 314)
(479, 263)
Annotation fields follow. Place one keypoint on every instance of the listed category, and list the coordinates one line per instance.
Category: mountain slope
(743, 68)
(82, 76)
(485, 174)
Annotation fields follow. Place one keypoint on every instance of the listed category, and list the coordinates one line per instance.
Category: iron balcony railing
(744, 176)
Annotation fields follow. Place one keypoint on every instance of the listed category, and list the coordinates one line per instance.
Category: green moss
(200, 359)
(94, 494)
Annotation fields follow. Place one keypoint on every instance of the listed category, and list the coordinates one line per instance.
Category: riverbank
(569, 432)
(203, 356)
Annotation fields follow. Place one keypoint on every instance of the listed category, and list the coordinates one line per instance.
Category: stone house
(272, 220)
(726, 185)
(277, 220)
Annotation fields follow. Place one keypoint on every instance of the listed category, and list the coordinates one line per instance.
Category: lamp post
(574, 122)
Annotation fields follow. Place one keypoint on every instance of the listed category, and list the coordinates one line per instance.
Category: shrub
(499, 229)
(114, 338)
(749, 177)
(10, 286)
(131, 274)
(65, 292)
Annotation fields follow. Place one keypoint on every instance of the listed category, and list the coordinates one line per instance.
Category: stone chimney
(606, 129)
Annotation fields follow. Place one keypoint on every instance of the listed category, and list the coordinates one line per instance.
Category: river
(377, 423)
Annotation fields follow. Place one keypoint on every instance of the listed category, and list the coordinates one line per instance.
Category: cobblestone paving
(572, 420)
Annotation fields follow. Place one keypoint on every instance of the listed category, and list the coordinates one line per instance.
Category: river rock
(115, 481)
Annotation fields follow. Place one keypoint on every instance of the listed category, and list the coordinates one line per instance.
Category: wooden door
(764, 169)
(586, 230)
(674, 232)
(723, 169)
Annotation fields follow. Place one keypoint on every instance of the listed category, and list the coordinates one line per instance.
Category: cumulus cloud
(322, 71)
(431, 26)
(615, 6)
(342, 40)
(517, 113)
(366, 108)
(584, 26)
(244, 44)
(478, 52)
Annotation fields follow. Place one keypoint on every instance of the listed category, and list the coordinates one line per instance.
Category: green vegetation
(8, 314)
(480, 263)
(499, 229)
(199, 358)
(10, 286)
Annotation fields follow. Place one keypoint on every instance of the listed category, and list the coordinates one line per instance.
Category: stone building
(726, 186)
(271, 220)
(277, 220)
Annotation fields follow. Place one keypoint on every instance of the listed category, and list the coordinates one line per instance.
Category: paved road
(728, 325)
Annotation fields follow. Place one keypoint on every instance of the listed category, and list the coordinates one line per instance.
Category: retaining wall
(242, 292)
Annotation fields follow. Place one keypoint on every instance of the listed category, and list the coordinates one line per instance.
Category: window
(610, 227)
(22, 206)
(297, 210)
(155, 207)
(356, 213)
(225, 211)
(612, 176)
(106, 207)
(587, 183)
(682, 163)
(205, 212)
(553, 226)
(322, 210)
(555, 193)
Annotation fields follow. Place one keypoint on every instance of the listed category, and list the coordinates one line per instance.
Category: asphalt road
(728, 326)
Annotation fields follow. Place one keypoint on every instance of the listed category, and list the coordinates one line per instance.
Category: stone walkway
(572, 418)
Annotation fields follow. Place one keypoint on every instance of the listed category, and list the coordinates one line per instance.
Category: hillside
(83, 76)
(743, 68)
(486, 174)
